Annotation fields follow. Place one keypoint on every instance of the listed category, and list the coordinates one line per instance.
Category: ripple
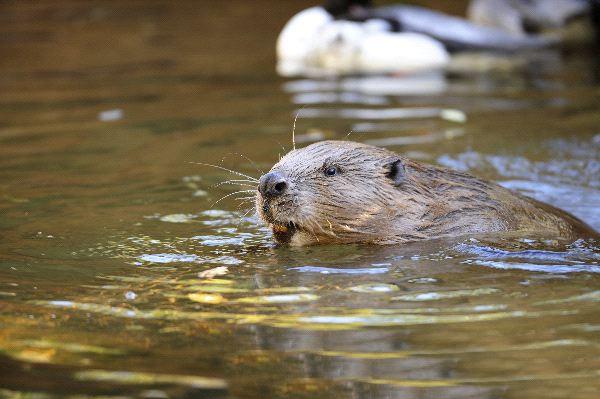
(188, 258)
(207, 298)
(425, 84)
(351, 320)
(374, 288)
(581, 201)
(225, 260)
(130, 377)
(575, 253)
(218, 213)
(168, 258)
(593, 296)
(381, 320)
(214, 240)
(399, 354)
(452, 115)
(568, 163)
(475, 381)
(579, 257)
(272, 299)
(423, 280)
(432, 137)
(71, 347)
(338, 98)
(437, 295)
(334, 270)
(532, 267)
(178, 218)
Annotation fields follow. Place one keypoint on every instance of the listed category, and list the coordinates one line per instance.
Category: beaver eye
(331, 171)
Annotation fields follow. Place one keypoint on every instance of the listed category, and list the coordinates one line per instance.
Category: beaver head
(332, 191)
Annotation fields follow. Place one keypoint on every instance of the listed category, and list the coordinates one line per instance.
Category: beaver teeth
(283, 233)
(281, 229)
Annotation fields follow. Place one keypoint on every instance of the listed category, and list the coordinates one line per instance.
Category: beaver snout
(272, 184)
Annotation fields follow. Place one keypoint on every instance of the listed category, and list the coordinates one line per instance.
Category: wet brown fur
(364, 203)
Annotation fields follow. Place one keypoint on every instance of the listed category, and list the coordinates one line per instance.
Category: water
(119, 278)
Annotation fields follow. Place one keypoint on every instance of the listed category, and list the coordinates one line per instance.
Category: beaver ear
(395, 170)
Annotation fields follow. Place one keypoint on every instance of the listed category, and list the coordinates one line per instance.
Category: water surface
(120, 276)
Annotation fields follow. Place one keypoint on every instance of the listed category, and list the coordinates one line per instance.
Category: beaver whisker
(228, 170)
(282, 147)
(243, 205)
(229, 195)
(234, 184)
(314, 235)
(248, 210)
(315, 226)
(245, 200)
(249, 160)
(241, 180)
(327, 232)
(330, 225)
(294, 127)
(362, 232)
(232, 181)
(346, 229)
(311, 226)
(241, 219)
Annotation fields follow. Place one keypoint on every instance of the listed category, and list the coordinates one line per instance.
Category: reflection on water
(122, 276)
(369, 89)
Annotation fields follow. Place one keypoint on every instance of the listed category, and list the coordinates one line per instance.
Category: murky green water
(118, 276)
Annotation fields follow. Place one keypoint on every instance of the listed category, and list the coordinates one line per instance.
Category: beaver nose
(272, 185)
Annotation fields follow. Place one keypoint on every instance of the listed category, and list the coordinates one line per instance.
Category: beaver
(348, 192)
